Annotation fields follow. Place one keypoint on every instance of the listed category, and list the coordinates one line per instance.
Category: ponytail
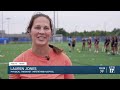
(56, 49)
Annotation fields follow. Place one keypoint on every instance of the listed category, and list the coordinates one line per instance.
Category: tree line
(115, 31)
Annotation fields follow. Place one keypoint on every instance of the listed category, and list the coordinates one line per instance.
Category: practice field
(78, 57)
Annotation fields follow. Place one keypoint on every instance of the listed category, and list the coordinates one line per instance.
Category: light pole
(105, 24)
(2, 24)
(75, 30)
(54, 23)
(57, 19)
(54, 27)
(8, 23)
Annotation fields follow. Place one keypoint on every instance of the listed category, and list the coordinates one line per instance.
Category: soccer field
(82, 58)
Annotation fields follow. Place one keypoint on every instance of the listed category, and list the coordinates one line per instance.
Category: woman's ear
(28, 33)
(52, 34)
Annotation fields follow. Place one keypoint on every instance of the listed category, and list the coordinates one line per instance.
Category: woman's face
(41, 31)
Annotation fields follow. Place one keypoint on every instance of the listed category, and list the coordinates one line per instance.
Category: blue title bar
(63, 69)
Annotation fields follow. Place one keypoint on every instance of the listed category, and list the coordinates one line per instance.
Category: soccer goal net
(57, 38)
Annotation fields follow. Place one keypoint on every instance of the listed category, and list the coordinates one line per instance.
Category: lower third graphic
(111, 69)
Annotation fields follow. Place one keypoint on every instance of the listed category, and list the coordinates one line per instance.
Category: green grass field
(82, 58)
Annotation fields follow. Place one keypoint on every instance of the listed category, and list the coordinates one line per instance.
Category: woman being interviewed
(42, 53)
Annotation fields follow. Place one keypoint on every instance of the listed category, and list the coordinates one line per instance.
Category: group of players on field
(111, 44)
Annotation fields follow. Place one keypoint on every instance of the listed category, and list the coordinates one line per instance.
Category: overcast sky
(69, 20)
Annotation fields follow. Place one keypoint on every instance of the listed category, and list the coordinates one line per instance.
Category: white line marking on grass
(4, 63)
(93, 59)
(83, 55)
(1, 55)
(110, 58)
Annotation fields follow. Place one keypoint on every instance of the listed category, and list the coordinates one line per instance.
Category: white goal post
(57, 38)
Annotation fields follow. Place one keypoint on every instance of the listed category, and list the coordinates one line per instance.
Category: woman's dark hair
(55, 49)
(36, 16)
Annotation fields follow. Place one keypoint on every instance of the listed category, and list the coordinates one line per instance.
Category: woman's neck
(41, 50)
